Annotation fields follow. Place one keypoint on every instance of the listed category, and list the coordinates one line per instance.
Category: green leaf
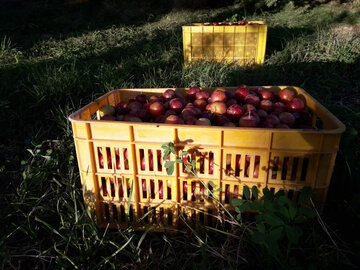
(273, 220)
(256, 205)
(259, 218)
(300, 219)
(305, 195)
(268, 195)
(245, 206)
(255, 192)
(218, 190)
(168, 164)
(238, 217)
(211, 183)
(247, 192)
(273, 247)
(166, 154)
(170, 170)
(285, 212)
(193, 163)
(184, 154)
(352, 132)
(280, 193)
(237, 202)
(293, 233)
(276, 234)
(258, 237)
(269, 205)
(292, 211)
(308, 212)
(283, 200)
(260, 227)
(179, 160)
(164, 146)
(237, 210)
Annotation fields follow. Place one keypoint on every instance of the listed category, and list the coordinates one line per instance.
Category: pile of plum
(242, 108)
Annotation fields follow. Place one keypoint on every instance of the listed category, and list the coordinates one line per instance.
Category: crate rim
(339, 130)
(199, 24)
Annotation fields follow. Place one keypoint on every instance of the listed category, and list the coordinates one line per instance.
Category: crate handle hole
(256, 167)
(247, 165)
(151, 160)
(236, 191)
(100, 158)
(202, 192)
(275, 168)
(169, 190)
(108, 156)
(170, 218)
(202, 162)
(122, 213)
(185, 190)
(115, 213)
(142, 160)
(117, 158)
(146, 219)
(112, 187)
(304, 169)
(161, 189)
(152, 189)
(107, 212)
(227, 193)
(193, 191)
(159, 160)
(153, 215)
(211, 163)
(228, 164)
(103, 184)
(294, 168)
(144, 192)
(126, 159)
(237, 165)
(121, 189)
(284, 168)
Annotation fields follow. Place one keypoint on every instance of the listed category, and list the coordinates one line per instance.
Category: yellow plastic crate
(121, 191)
(240, 44)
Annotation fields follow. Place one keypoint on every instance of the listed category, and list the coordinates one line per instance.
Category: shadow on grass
(28, 22)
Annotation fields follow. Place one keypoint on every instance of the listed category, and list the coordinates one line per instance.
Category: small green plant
(278, 220)
(190, 166)
(185, 159)
(278, 223)
(233, 18)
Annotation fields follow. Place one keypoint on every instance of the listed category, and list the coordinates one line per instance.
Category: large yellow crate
(124, 193)
(240, 44)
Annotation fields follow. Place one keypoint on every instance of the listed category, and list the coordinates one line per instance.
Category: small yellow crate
(120, 190)
(240, 44)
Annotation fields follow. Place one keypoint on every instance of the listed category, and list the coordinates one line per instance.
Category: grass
(51, 65)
